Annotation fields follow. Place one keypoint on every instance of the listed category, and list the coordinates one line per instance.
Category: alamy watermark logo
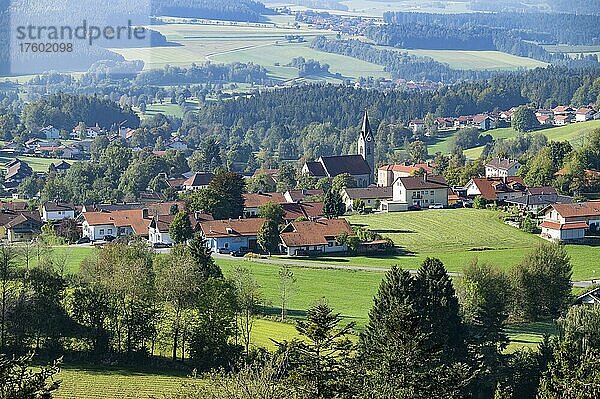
(69, 35)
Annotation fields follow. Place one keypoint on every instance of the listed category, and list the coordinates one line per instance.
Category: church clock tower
(366, 144)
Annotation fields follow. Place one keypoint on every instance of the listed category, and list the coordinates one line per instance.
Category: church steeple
(366, 144)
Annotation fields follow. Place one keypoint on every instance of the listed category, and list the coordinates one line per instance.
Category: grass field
(37, 164)
(282, 53)
(575, 133)
(478, 60)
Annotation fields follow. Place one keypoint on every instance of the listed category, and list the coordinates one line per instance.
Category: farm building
(314, 237)
(566, 222)
(231, 234)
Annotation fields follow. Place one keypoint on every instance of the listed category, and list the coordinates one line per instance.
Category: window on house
(101, 231)
(431, 192)
(330, 243)
(109, 231)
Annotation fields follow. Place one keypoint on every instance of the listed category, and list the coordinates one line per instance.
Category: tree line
(226, 10)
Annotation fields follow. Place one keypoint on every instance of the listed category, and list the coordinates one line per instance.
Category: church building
(360, 166)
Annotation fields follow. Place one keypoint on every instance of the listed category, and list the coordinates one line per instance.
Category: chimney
(425, 177)
(145, 213)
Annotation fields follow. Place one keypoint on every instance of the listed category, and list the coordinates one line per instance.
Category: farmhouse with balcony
(566, 222)
(97, 225)
(371, 196)
(496, 188)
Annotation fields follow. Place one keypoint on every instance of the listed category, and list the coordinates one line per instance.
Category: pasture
(37, 164)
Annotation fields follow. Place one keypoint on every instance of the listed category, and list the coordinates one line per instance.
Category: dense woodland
(227, 10)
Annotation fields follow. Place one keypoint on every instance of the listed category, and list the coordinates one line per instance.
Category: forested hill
(540, 27)
(296, 107)
(226, 10)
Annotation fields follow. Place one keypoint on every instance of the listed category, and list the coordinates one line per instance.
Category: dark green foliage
(318, 361)
(268, 236)
(181, 229)
(204, 261)
(524, 120)
(273, 212)
(405, 348)
(223, 198)
(333, 206)
(541, 283)
(211, 343)
(19, 379)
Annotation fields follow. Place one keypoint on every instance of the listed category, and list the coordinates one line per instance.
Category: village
(306, 230)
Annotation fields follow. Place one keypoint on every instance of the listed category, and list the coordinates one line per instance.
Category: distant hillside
(226, 10)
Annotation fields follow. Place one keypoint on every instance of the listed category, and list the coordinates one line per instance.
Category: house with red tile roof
(567, 222)
(304, 210)
(314, 237)
(158, 229)
(496, 188)
(584, 114)
(253, 201)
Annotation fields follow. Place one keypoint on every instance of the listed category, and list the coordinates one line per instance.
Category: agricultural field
(575, 133)
(274, 57)
(195, 43)
(478, 60)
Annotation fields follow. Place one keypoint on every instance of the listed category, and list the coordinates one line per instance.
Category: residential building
(314, 237)
(562, 120)
(584, 114)
(502, 167)
(483, 122)
(302, 210)
(416, 124)
(25, 227)
(231, 234)
(53, 211)
(253, 201)
(360, 166)
(562, 110)
(16, 172)
(545, 120)
(60, 167)
(98, 225)
(387, 174)
(589, 298)
(370, 196)
(50, 132)
(197, 181)
(158, 229)
(566, 222)
(420, 191)
(537, 198)
(496, 188)
(176, 144)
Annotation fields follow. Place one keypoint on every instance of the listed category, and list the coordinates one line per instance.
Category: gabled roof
(565, 226)
(369, 192)
(255, 200)
(231, 228)
(56, 207)
(198, 180)
(590, 297)
(299, 234)
(352, 164)
(425, 182)
(541, 199)
(546, 190)
(18, 169)
(163, 222)
(127, 218)
(309, 210)
(63, 165)
(502, 163)
(490, 187)
(316, 169)
(584, 111)
(13, 205)
(579, 209)
(32, 223)
(480, 118)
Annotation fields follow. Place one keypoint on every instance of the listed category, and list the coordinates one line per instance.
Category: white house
(584, 114)
(496, 188)
(567, 222)
(416, 124)
(50, 132)
(422, 191)
(370, 196)
(502, 167)
(98, 225)
(52, 211)
(197, 181)
(158, 230)
(314, 237)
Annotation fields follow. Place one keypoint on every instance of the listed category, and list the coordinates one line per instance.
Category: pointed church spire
(366, 127)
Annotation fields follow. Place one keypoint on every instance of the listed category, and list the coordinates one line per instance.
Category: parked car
(161, 245)
(414, 208)
(436, 206)
(83, 240)
(223, 251)
(109, 238)
(240, 252)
